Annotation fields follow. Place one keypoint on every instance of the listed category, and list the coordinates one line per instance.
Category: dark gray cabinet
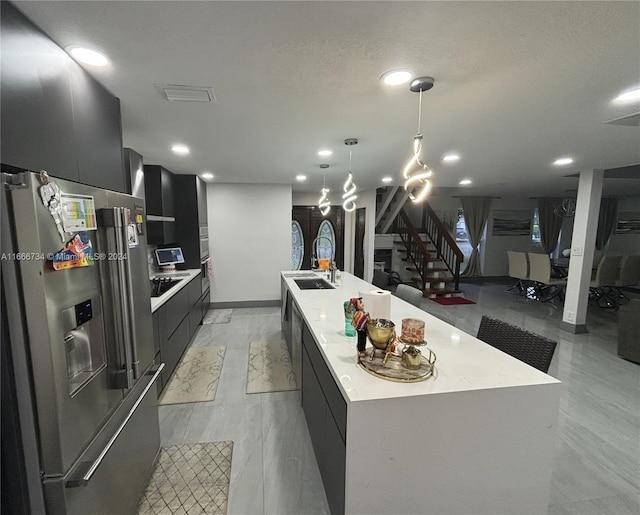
(174, 325)
(191, 215)
(326, 413)
(158, 190)
(98, 125)
(55, 116)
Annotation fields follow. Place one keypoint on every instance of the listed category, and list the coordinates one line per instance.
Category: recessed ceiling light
(563, 161)
(207, 175)
(88, 56)
(181, 150)
(325, 152)
(387, 179)
(396, 77)
(450, 158)
(301, 178)
(628, 96)
(465, 182)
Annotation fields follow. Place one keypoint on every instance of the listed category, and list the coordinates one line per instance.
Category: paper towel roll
(377, 303)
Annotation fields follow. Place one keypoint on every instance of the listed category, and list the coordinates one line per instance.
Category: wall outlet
(571, 316)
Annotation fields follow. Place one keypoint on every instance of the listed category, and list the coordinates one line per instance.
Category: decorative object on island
(412, 331)
(349, 197)
(360, 320)
(411, 358)
(349, 310)
(417, 183)
(382, 334)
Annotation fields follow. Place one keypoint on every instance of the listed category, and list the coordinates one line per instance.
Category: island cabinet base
(477, 437)
(327, 430)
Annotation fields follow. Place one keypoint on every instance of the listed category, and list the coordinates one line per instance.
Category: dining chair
(409, 293)
(602, 287)
(546, 287)
(629, 275)
(380, 278)
(518, 269)
(528, 347)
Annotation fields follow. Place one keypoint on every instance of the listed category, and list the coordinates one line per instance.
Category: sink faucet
(314, 258)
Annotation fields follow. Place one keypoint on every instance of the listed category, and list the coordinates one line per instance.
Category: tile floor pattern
(190, 479)
(597, 455)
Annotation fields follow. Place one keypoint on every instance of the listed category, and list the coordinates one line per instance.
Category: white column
(574, 316)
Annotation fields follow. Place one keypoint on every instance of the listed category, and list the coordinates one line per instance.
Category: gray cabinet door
(98, 134)
(37, 113)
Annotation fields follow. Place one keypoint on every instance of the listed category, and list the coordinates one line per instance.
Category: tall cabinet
(192, 232)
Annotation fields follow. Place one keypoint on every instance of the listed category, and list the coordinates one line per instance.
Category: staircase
(435, 262)
(388, 208)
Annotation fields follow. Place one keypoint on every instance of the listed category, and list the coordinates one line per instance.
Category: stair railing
(417, 251)
(446, 246)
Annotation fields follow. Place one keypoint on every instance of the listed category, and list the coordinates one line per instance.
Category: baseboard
(573, 328)
(246, 304)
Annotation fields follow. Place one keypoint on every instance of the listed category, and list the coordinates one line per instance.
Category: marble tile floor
(597, 456)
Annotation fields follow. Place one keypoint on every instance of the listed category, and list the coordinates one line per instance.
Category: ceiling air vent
(632, 119)
(181, 93)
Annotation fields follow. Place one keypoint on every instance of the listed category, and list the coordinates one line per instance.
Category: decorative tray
(393, 370)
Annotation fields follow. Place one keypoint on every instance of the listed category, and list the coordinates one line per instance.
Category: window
(297, 246)
(535, 231)
(326, 242)
(461, 227)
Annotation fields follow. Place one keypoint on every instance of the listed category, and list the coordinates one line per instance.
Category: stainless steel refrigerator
(79, 403)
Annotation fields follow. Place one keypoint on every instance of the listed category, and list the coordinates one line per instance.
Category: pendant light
(324, 204)
(349, 186)
(416, 172)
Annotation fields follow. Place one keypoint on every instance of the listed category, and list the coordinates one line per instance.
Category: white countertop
(185, 277)
(464, 363)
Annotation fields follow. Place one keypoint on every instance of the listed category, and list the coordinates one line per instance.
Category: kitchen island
(477, 437)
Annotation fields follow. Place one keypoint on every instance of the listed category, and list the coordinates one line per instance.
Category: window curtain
(476, 212)
(550, 223)
(606, 221)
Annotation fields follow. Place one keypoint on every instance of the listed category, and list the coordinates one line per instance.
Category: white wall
(493, 250)
(249, 240)
(367, 199)
(627, 243)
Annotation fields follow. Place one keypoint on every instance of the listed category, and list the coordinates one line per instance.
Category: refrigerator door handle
(117, 218)
(85, 470)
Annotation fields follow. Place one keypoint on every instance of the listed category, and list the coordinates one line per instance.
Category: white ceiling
(517, 84)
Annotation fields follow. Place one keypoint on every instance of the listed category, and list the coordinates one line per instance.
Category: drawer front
(177, 307)
(195, 290)
(335, 401)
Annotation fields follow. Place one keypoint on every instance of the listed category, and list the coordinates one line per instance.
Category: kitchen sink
(313, 284)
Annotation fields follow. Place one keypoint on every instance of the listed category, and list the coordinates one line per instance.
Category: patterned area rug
(195, 379)
(269, 368)
(189, 479)
(217, 316)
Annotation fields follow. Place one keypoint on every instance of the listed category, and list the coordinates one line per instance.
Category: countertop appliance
(78, 354)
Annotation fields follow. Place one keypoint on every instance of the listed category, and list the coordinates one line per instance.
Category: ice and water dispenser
(84, 342)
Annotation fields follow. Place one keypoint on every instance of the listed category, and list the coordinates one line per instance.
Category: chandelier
(324, 204)
(416, 172)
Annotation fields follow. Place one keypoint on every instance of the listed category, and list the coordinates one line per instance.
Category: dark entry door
(310, 218)
(358, 255)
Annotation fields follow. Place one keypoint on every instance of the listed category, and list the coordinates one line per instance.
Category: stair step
(433, 279)
(439, 270)
(434, 260)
